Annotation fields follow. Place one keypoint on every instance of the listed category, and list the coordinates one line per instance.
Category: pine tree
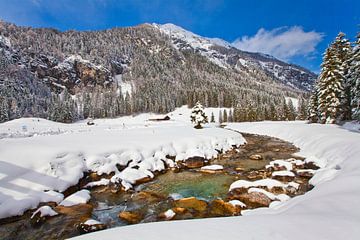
(354, 80)
(225, 116)
(331, 91)
(301, 110)
(198, 116)
(291, 111)
(220, 117)
(343, 50)
(231, 116)
(4, 115)
(212, 117)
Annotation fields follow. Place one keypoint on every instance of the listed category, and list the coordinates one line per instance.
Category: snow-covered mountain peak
(194, 40)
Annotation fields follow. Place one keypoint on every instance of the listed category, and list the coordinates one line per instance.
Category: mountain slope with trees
(66, 76)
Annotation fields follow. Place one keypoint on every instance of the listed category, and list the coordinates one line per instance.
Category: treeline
(285, 111)
(336, 95)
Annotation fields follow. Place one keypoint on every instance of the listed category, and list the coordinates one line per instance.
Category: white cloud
(283, 43)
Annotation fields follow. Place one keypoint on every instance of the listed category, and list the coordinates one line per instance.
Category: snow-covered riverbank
(40, 158)
(329, 211)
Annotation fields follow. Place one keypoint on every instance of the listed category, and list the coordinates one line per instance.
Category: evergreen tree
(292, 113)
(198, 116)
(343, 50)
(331, 91)
(4, 115)
(220, 117)
(212, 117)
(354, 80)
(301, 110)
(231, 116)
(225, 116)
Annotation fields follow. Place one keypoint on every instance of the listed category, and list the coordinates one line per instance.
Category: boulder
(130, 217)
(80, 211)
(219, 208)
(194, 162)
(191, 203)
(254, 199)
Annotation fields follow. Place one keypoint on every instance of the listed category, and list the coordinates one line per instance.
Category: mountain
(70, 75)
(225, 55)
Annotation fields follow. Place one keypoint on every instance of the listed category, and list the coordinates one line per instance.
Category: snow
(329, 211)
(101, 182)
(202, 44)
(169, 214)
(214, 167)
(280, 163)
(352, 126)
(126, 87)
(82, 196)
(40, 158)
(294, 101)
(269, 183)
(45, 211)
(92, 222)
(283, 173)
(237, 203)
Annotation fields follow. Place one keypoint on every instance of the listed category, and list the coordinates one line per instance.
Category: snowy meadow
(41, 159)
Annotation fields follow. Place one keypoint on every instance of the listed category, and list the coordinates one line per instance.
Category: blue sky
(295, 31)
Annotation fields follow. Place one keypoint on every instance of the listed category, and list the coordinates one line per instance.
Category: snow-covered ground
(40, 158)
(330, 211)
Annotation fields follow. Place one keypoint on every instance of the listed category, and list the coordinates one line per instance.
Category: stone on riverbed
(212, 169)
(252, 200)
(191, 203)
(256, 157)
(219, 208)
(194, 162)
(130, 217)
(284, 176)
(90, 225)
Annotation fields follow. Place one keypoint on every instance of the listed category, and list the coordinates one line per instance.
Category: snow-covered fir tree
(198, 116)
(212, 119)
(313, 113)
(225, 116)
(331, 89)
(343, 50)
(220, 117)
(354, 79)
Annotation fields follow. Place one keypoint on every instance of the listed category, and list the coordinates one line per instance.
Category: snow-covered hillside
(40, 158)
(329, 211)
(227, 56)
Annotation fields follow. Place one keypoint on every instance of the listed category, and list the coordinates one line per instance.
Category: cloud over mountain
(283, 42)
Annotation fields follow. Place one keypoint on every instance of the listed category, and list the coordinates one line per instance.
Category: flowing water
(150, 199)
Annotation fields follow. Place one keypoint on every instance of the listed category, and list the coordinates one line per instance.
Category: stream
(151, 199)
